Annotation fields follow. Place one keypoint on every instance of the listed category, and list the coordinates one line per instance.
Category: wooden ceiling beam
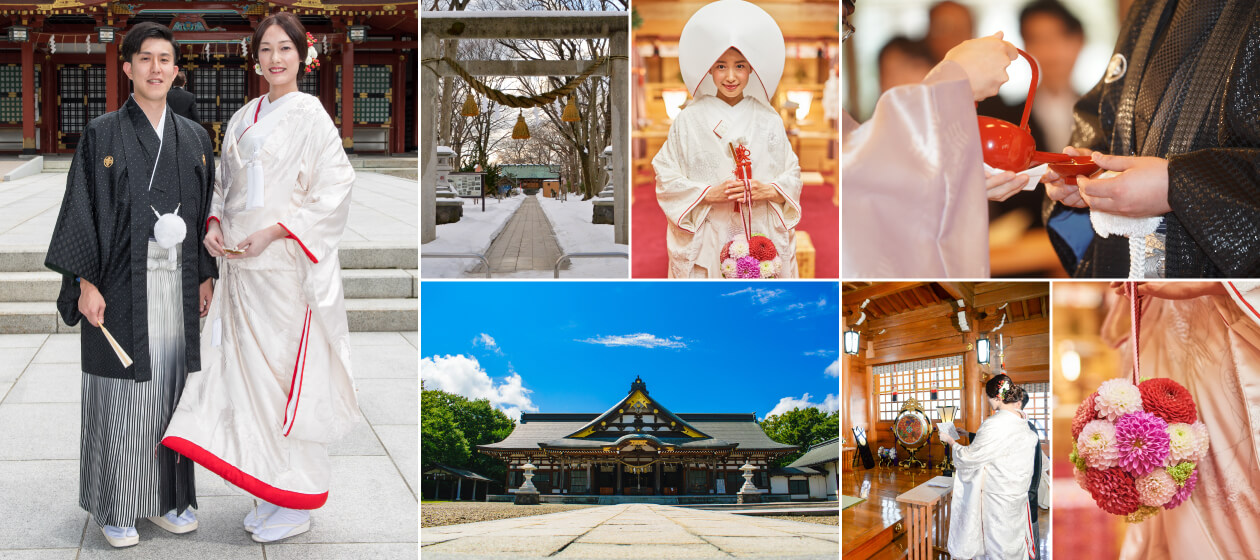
(998, 293)
(876, 291)
(961, 290)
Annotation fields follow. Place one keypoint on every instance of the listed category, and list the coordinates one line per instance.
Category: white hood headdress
(724, 24)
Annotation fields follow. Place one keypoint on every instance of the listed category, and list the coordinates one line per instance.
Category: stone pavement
(383, 210)
(527, 242)
(371, 510)
(632, 531)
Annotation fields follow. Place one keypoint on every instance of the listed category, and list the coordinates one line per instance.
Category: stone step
(410, 173)
(368, 162)
(57, 164)
(358, 284)
(364, 315)
(353, 256)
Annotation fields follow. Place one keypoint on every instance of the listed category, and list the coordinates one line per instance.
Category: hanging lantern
(521, 130)
(470, 107)
(570, 111)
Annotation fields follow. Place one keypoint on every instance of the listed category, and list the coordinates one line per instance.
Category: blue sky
(576, 346)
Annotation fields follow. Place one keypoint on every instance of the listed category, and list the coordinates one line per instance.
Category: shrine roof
(530, 171)
(819, 453)
(741, 430)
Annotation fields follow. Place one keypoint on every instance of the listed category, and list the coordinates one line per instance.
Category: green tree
(464, 423)
(801, 427)
(441, 439)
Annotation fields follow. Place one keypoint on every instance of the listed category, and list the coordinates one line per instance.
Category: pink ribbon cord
(1135, 313)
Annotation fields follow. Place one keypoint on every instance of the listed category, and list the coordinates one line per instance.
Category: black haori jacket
(103, 230)
(1188, 95)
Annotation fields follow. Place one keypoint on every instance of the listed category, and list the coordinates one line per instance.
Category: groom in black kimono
(1176, 115)
(129, 166)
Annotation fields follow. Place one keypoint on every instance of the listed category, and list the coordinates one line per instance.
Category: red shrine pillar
(347, 95)
(111, 77)
(28, 98)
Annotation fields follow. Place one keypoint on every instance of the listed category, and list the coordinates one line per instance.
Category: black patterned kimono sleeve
(208, 266)
(75, 247)
(1215, 192)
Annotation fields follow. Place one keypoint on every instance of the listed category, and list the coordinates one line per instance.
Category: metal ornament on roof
(52, 45)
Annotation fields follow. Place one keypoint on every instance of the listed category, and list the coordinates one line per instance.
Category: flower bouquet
(747, 254)
(754, 257)
(1136, 447)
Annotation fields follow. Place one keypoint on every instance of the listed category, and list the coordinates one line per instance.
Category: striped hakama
(124, 474)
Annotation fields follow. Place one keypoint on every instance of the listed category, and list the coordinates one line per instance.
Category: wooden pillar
(398, 128)
(428, 150)
(657, 469)
(564, 488)
(619, 469)
(347, 96)
(973, 388)
(459, 488)
(112, 102)
(618, 72)
(28, 98)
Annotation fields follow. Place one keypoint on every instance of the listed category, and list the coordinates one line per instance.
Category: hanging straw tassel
(470, 107)
(521, 130)
(570, 111)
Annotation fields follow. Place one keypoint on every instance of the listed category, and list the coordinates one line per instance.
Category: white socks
(282, 523)
(260, 513)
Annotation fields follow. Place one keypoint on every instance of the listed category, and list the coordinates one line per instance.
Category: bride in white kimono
(275, 387)
(989, 513)
(731, 55)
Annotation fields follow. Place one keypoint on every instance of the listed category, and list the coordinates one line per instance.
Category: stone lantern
(603, 212)
(748, 493)
(527, 495)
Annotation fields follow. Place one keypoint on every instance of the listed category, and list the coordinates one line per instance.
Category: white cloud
(830, 403)
(642, 340)
(833, 370)
(822, 352)
(464, 376)
(759, 295)
(486, 341)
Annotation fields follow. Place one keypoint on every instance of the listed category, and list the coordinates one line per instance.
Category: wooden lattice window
(1038, 409)
(917, 379)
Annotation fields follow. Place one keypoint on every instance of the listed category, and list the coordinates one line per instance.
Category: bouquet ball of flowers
(750, 258)
(1136, 447)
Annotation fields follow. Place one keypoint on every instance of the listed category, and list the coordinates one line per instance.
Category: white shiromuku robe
(914, 196)
(696, 157)
(275, 387)
(1211, 346)
(989, 513)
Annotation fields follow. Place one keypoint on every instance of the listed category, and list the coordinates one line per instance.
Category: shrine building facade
(638, 448)
(60, 66)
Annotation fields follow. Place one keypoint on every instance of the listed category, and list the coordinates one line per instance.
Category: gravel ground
(819, 519)
(437, 515)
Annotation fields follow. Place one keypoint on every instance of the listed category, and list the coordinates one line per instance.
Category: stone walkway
(632, 531)
(371, 509)
(527, 242)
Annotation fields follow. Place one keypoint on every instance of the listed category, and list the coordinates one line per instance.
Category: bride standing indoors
(275, 388)
(731, 54)
(990, 515)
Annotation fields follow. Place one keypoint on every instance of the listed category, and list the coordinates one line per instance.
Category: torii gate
(435, 26)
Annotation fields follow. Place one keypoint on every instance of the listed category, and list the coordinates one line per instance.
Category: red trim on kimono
(215, 218)
(1238, 296)
(299, 374)
(715, 127)
(1028, 542)
(299, 242)
(786, 198)
(689, 208)
(241, 479)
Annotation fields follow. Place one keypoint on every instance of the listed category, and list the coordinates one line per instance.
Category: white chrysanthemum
(739, 248)
(1117, 397)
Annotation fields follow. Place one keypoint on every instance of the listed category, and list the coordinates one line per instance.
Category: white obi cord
(1136, 229)
(254, 180)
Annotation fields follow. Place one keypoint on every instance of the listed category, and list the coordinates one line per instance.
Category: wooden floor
(873, 528)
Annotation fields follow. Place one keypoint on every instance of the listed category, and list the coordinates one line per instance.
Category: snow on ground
(571, 220)
(471, 234)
